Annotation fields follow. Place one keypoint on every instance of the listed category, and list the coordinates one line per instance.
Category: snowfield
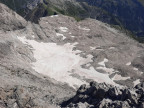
(62, 62)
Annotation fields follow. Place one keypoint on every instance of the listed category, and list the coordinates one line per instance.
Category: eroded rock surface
(106, 96)
(10, 20)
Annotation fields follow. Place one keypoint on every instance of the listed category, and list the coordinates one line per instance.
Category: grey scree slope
(107, 51)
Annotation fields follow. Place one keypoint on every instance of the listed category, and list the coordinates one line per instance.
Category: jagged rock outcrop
(107, 96)
(9, 20)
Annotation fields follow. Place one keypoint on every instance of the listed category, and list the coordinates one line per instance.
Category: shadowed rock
(107, 97)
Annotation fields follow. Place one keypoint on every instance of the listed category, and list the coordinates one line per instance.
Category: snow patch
(103, 67)
(119, 77)
(136, 69)
(84, 28)
(72, 36)
(92, 48)
(33, 36)
(128, 64)
(53, 16)
(141, 73)
(63, 29)
(58, 34)
(107, 70)
(136, 82)
(88, 64)
(58, 61)
(103, 62)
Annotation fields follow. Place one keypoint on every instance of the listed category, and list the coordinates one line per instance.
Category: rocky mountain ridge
(127, 15)
(107, 96)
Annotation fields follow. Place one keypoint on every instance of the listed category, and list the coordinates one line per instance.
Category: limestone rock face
(9, 20)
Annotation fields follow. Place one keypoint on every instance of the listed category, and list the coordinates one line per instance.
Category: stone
(82, 89)
(140, 86)
(100, 94)
(93, 83)
(92, 90)
(114, 93)
(103, 96)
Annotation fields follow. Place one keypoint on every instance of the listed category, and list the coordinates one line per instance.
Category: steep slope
(43, 64)
(21, 86)
(10, 22)
(33, 10)
(129, 13)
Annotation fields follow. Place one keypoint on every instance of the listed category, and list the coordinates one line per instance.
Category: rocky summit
(42, 65)
(107, 96)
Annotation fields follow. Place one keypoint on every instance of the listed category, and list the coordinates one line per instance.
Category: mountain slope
(128, 12)
(126, 15)
(42, 65)
(33, 10)
(21, 86)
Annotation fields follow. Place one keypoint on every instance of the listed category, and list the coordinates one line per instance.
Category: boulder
(77, 98)
(140, 86)
(114, 93)
(106, 96)
(100, 94)
(106, 103)
(92, 90)
(101, 91)
(133, 97)
(93, 83)
(125, 93)
(82, 89)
